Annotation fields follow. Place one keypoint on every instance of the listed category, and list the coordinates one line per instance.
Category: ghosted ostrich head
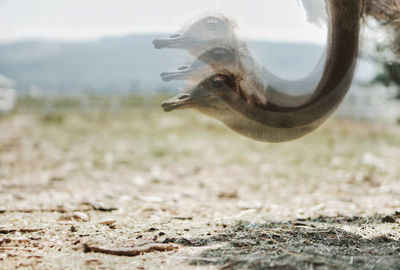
(200, 36)
(214, 59)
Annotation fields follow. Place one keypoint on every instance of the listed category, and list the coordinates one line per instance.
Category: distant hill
(127, 64)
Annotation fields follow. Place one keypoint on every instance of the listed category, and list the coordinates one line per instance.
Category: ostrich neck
(219, 110)
(342, 51)
(336, 79)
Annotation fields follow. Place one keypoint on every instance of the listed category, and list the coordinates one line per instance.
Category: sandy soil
(180, 191)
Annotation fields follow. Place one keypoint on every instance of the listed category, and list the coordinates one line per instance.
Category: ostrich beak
(183, 72)
(176, 102)
(173, 41)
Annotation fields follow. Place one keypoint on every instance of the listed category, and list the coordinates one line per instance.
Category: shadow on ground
(319, 243)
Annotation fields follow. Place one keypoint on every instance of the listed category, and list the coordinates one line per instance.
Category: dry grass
(143, 176)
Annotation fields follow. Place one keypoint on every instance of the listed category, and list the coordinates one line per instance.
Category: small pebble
(107, 222)
(75, 216)
(388, 219)
(228, 195)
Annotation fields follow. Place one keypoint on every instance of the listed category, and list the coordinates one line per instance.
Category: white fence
(374, 104)
(7, 95)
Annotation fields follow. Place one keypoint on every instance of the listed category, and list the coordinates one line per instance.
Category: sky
(76, 20)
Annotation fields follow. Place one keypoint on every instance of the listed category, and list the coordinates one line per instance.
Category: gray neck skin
(336, 79)
(249, 128)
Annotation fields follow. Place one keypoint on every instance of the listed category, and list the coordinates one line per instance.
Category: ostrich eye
(212, 23)
(219, 54)
(183, 96)
(217, 82)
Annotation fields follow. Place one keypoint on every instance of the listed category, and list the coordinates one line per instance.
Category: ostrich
(227, 85)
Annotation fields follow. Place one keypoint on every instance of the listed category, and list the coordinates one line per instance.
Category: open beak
(173, 41)
(175, 102)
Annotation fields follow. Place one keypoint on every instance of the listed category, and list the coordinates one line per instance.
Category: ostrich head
(216, 58)
(196, 98)
(200, 35)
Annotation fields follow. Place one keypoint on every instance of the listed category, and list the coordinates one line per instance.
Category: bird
(341, 55)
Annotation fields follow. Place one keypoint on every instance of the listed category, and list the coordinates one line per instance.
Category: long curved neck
(236, 121)
(342, 48)
(343, 45)
(337, 76)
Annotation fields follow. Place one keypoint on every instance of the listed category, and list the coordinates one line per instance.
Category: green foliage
(390, 76)
(386, 13)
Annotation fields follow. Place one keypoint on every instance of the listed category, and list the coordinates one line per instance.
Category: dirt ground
(180, 191)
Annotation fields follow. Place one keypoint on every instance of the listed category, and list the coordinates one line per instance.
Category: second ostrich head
(201, 35)
(214, 59)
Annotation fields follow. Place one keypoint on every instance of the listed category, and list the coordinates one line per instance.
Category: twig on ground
(99, 206)
(51, 210)
(130, 251)
(23, 230)
(17, 249)
(92, 206)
